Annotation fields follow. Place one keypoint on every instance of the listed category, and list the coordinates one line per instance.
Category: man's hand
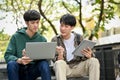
(87, 52)
(24, 52)
(60, 51)
(25, 59)
(19, 60)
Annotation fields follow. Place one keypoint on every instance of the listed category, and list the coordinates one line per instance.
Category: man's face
(33, 25)
(65, 29)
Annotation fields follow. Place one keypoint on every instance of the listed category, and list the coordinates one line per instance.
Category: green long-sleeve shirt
(18, 42)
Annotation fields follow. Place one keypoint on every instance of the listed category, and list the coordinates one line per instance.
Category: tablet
(84, 44)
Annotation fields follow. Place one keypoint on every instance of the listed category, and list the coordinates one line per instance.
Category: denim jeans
(28, 72)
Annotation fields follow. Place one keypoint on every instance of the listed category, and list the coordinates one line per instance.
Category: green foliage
(109, 12)
(4, 39)
(3, 36)
(98, 1)
(96, 35)
(53, 9)
(3, 45)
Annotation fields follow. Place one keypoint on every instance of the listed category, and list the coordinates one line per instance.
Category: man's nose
(63, 27)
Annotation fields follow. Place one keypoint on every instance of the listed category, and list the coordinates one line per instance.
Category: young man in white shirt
(66, 63)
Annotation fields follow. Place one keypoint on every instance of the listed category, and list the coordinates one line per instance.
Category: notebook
(83, 45)
(41, 50)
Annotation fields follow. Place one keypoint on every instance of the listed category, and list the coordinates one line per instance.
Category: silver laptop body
(41, 50)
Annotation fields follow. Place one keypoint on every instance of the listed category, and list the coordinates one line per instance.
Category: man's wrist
(60, 57)
(19, 60)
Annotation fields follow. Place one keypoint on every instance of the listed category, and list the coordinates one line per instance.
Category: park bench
(3, 70)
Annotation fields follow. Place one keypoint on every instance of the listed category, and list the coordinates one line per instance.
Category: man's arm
(60, 51)
(10, 51)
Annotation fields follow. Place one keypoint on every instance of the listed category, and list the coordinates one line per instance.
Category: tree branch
(21, 1)
(66, 7)
(112, 1)
(42, 13)
(97, 27)
(80, 15)
(30, 4)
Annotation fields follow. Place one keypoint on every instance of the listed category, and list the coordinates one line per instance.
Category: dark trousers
(28, 72)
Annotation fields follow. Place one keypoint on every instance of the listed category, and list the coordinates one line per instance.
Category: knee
(44, 65)
(59, 63)
(94, 61)
(12, 65)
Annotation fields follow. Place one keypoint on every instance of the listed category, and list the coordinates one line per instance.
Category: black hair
(68, 19)
(31, 15)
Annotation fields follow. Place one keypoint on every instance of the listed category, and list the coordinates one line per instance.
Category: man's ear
(27, 23)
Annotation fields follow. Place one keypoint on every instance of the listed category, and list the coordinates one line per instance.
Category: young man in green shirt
(20, 66)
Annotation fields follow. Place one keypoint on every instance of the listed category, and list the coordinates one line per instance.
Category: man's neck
(30, 33)
(67, 37)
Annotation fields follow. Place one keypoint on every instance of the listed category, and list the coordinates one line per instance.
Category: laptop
(83, 45)
(41, 50)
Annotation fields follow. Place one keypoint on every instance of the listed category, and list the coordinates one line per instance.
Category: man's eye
(32, 22)
(66, 26)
